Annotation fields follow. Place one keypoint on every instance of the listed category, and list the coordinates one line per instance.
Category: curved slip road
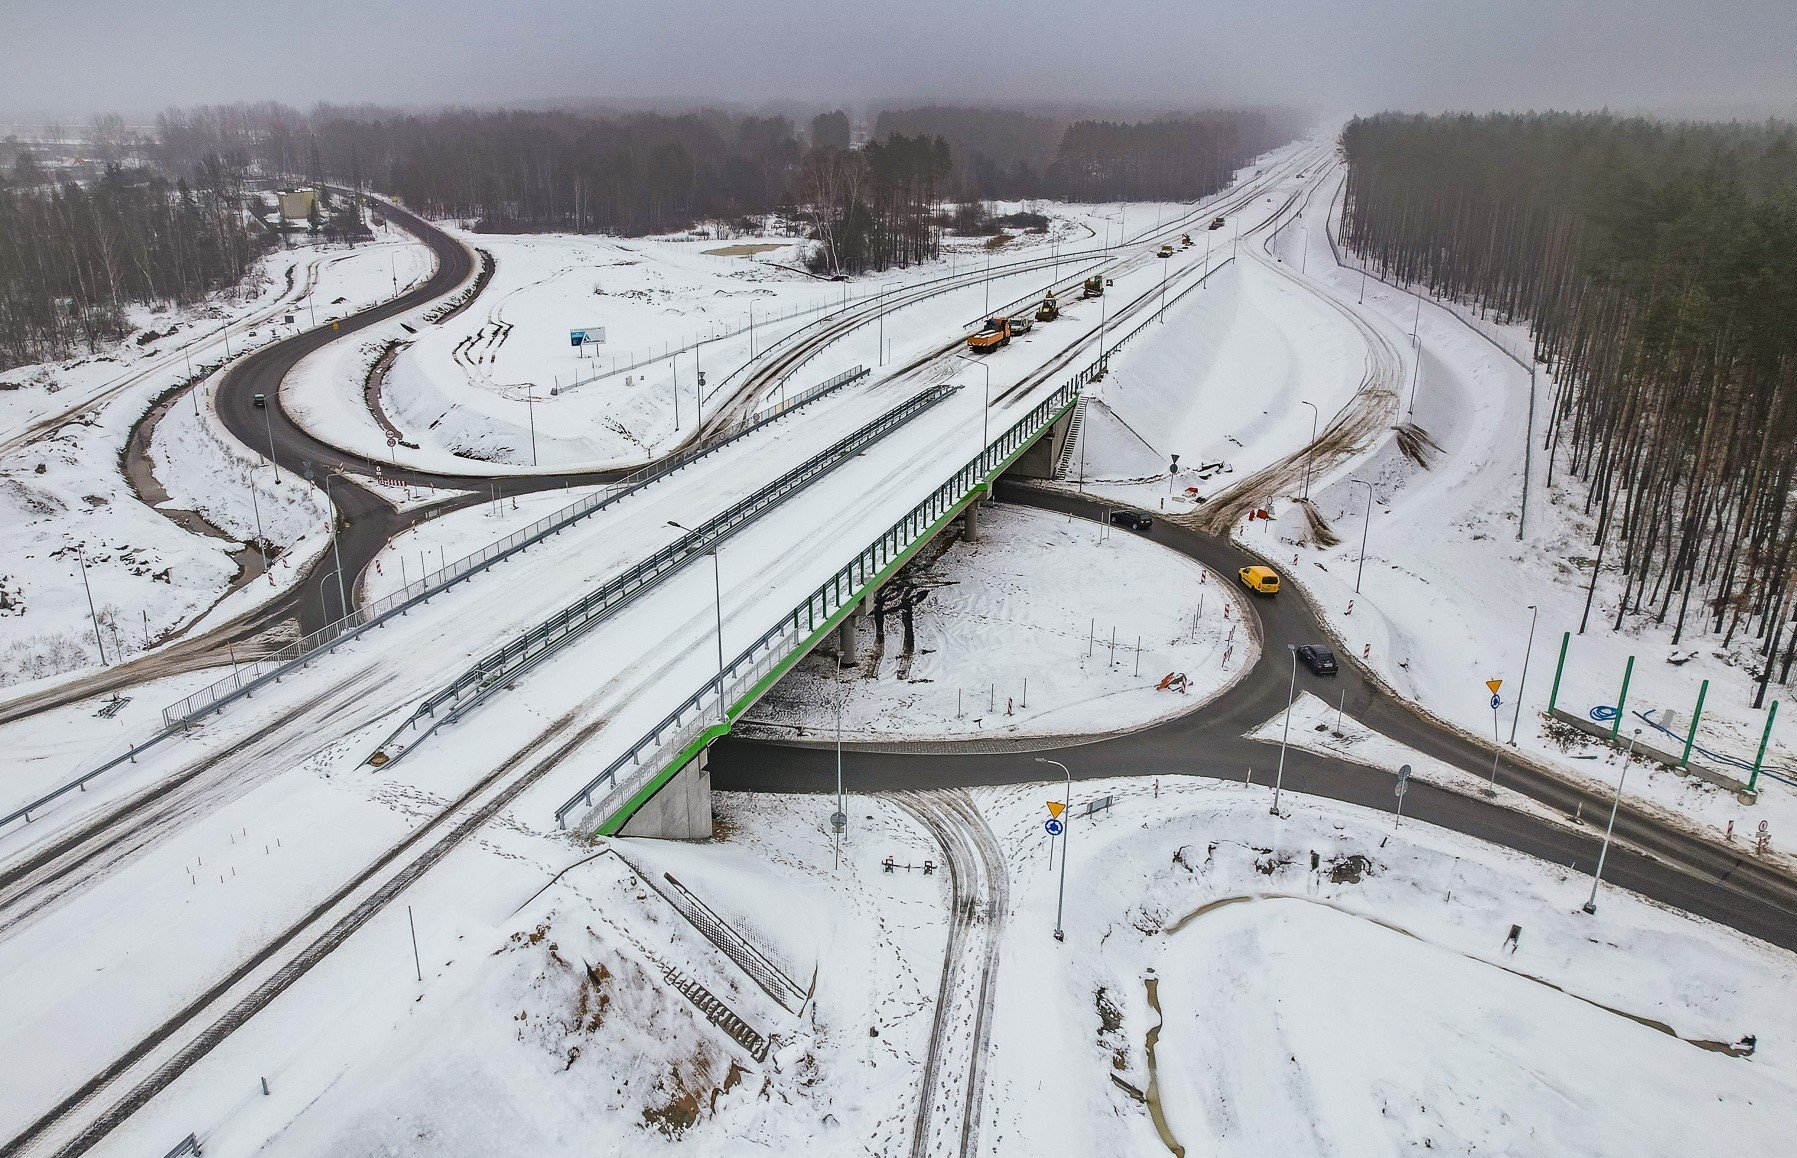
(1650, 857)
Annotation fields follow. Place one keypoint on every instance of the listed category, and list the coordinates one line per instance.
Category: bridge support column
(846, 633)
(970, 521)
(681, 810)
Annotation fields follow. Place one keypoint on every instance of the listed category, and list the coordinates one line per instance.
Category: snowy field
(1211, 979)
(499, 390)
(1040, 598)
(68, 503)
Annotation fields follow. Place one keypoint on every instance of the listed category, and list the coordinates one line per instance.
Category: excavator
(996, 333)
(1049, 310)
(1094, 287)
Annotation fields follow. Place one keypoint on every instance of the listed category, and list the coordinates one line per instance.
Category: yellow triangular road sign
(1494, 685)
(1055, 808)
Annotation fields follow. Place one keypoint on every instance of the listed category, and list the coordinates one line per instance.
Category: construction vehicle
(1166, 251)
(995, 333)
(1216, 223)
(1020, 324)
(1094, 287)
(1049, 310)
(1185, 240)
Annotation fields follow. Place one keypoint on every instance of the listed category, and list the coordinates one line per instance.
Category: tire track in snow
(951, 1094)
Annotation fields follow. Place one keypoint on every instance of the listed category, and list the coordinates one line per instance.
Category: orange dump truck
(996, 333)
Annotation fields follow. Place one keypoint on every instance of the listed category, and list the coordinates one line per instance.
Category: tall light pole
(1291, 696)
(1066, 823)
(336, 558)
(257, 508)
(81, 558)
(986, 410)
(1591, 902)
(881, 352)
(268, 424)
(840, 821)
(717, 587)
(1315, 416)
(1535, 613)
(1365, 524)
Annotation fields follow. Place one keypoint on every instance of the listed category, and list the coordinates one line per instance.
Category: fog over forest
(1681, 59)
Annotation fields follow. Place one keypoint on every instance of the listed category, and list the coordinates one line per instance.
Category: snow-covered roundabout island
(1034, 630)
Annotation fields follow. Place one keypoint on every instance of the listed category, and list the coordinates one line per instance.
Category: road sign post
(1058, 827)
(1497, 743)
(1403, 786)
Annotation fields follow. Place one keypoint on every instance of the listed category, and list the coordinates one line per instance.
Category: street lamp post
(1535, 613)
(881, 352)
(717, 587)
(1360, 567)
(336, 558)
(986, 410)
(268, 424)
(1591, 902)
(1291, 696)
(1066, 823)
(257, 508)
(839, 822)
(1315, 416)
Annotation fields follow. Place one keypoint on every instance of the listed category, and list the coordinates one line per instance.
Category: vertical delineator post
(1684, 761)
(1622, 698)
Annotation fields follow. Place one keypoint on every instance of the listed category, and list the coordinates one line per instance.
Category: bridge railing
(502, 666)
(246, 677)
(710, 711)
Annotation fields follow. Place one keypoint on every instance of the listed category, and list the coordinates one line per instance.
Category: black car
(260, 401)
(1131, 520)
(1317, 658)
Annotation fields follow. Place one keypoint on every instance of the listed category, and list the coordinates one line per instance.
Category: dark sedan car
(1131, 520)
(1317, 658)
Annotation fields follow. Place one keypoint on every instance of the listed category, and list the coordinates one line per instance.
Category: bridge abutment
(681, 810)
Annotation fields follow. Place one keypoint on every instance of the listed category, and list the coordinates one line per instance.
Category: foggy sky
(65, 60)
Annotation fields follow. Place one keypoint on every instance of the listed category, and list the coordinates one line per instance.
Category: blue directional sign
(1496, 702)
(1053, 827)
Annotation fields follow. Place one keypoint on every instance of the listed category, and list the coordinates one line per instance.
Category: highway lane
(1651, 858)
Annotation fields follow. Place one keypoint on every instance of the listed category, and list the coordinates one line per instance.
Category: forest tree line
(1657, 267)
(1008, 155)
(74, 256)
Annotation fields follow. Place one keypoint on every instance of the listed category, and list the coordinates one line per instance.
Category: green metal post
(1622, 698)
(1753, 782)
(1691, 739)
(1553, 697)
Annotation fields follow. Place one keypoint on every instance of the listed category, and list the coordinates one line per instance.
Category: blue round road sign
(1496, 701)
(1052, 827)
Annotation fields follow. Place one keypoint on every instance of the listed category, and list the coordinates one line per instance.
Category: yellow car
(1261, 580)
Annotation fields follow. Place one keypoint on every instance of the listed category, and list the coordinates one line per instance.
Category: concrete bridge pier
(847, 637)
(970, 520)
(681, 810)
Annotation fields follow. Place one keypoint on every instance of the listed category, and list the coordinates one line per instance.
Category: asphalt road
(1678, 869)
(365, 522)
(1698, 876)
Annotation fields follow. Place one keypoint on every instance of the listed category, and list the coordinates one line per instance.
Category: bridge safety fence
(249, 675)
(503, 665)
(710, 711)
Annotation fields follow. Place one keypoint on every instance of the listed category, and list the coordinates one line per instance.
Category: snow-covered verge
(1320, 983)
(66, 500)
(1361, 999)
(1013, 636)
(1448, 592)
